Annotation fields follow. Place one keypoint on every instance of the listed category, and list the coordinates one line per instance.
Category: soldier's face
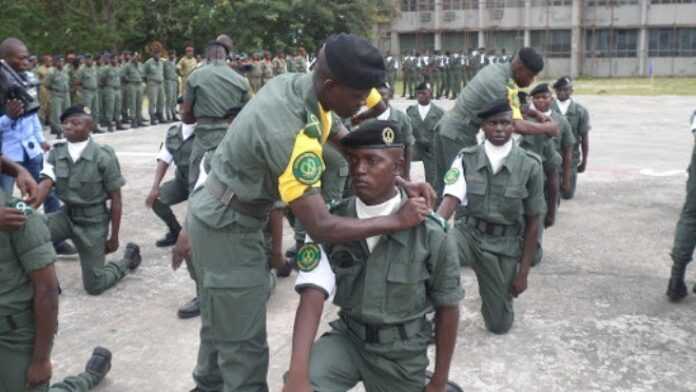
(386, 94)
(373, 172)
(77, 128)
(424, 96)
(542, 101)
(498, 128)
(19, 58)
(343, 100)
(564, 93)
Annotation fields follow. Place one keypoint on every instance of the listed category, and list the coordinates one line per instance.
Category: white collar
(497, 154)
(424, 110)
(364, 211)
(564, 105)
(187, 130)
(385, 115)
(76, 149)
(547, 113)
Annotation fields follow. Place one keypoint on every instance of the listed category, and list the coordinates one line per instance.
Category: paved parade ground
(595, 316)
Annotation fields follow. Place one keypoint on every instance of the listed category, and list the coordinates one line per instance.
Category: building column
(576, 49)
(643, 39)
(437, 17)
(482, 24)
(527, 23)
(394, 45)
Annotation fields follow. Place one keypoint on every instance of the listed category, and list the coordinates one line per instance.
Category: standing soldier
(110, 80)
(392, 65)
(280, 66)
(44, 97)
(424, 117)
(134, 81)
(579, 119)
(185, 66)
(266, 68)
(72, 65)
(301, 61)
(87, 89)
(497, 189)
(171, 80)
(437, 73)
(457, 73)
(399, 117)
(408, 69)
(290, 59)
(255, 73)
(153, 73)
(58, 85)
(123, 60)
(212, 92)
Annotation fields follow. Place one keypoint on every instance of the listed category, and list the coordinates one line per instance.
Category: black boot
(676, 288)
(99, 363)
(65, 249)
(169, 239)
(120, 127)
(153, 120)
(132, 256)
(190, 309)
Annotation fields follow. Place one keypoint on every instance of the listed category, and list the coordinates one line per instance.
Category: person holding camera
(22, 135)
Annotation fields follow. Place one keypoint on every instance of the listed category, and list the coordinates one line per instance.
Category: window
(426, 5)
(504, 3)
(672, 42)
(511, 41)
(416, 42)
(552, 43)
(672, 1)
(408, 5)
(611, 43)
(546, 3)
(610, 3)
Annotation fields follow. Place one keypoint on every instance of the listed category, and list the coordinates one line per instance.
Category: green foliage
(56, 26)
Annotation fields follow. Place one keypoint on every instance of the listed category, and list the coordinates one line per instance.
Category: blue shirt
(20, 135)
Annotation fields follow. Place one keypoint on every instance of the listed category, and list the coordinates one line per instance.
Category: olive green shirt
(216, 88)
(566, 138)
(58, 81)
(88, 77)
(23, 251)
(579, 119)
(424, 129)
(91, 179)
(153, 71)
(131, 73)
(180, 150)
(110, 77)
(280, 66)
(169, 70)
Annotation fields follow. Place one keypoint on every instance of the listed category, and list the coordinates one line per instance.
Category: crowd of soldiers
(323, 146)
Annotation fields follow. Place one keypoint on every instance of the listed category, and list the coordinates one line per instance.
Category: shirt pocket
(512, 207)
(346, 267)
(406, 287)
(88, 183)
(475, 194)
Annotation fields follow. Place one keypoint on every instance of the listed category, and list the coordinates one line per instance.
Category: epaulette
(533, 155)
(433, 216)
(174, 130)
(469, 150)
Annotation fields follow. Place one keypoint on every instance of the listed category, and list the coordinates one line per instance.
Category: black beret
(563, 82)
(75, 110)
(375, 134)
(540, 89)
(496, 107)
(423, 86)
(354, 62)
(531, 59)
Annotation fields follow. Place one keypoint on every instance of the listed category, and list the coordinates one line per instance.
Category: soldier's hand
(582, 167)
(297, 385)
(151, 197)
(14, 108)
(420, 189)
(181, 251)
(111, 245)
(413, 212)
(519, 285)
(27, 186)
(11, 219)
(39, 373)
(45, 146)
(549, 220)
(435, 387)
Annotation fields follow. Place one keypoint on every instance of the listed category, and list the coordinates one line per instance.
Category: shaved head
(15, 53)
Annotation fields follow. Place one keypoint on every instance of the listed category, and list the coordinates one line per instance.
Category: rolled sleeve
(165, 156)
(535, 204)
(456, 188)
(322, 277)
(445, 287)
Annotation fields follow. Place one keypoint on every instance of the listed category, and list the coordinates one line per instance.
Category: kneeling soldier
(86, 175)
(495, 186)
(384, 286)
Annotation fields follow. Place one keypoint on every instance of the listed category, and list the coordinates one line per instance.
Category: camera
(14, 86)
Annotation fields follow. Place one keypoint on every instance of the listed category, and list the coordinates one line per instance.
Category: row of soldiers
(448, 72)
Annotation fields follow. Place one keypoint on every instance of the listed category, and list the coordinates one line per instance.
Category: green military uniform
(153, 72)
(280, 66)
(460, 125)
(390, 62)
(409, 75)
(110, 80)
(579, 119)
(124, 92)
(437, 74)
(456, 74)
(89, 84)
(424, 133)
(300, 64)
(171, 89)
(84, 187)
(72, 70)
(290, 64)
(255, 75)
(134, 82)
(564, 140)
(24, 251)
(44, 96)
(489, 228)
(381, 337)
(213, 90)
(272, 152)
(266, 72)
(58, 85)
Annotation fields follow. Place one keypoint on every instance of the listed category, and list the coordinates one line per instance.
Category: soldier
(266, 68)
(72, 65)
(685, 234)
(110, 81)
(384, 287)
(439, 77)
(579, 119)
(424, 116)
(171, 87)
(87, 83)
(291, 61)
(392, 65)
(153, 72)
(280, 66)
(460, 125)
(255, 75)
(185, 66)
(58, 85)
(278, 138)
(42, 72)
(211, 93)
(498, 189)
(86, 175)
(301, 61)
(407, 72)
(134, 80)
(393, 114)
(456, 70)
(123, 60)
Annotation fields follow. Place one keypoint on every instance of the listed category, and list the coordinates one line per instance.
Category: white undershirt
(564, 105)
(186, 132)
(385, 115)
(424, 110)
(497, 154)
(365, 211)
(74, 149)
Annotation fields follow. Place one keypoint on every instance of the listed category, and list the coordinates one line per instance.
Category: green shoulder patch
(307, 168)
(308, 257)
(433, 216)
(452, 176)
(313, 127)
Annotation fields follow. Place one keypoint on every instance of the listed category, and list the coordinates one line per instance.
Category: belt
(86, 211)
(212, 120)
(383, 334)
(16, 321)
(493, 229)
(228, 198)
(134, 81)
(155, 81)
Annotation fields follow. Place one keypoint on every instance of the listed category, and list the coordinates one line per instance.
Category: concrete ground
(595, 317)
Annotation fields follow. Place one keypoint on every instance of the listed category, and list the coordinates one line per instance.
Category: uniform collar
(402, 236)
(314, 106)
(90, 151)
(510, 161)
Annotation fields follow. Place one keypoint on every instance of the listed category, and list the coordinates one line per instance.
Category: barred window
(552, 43)
(672, 42)
(546, 3)
(672, 1)
(408, 5)
(426, 5)
(611, 43)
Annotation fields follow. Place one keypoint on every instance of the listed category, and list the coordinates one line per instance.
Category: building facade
(604, 38)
